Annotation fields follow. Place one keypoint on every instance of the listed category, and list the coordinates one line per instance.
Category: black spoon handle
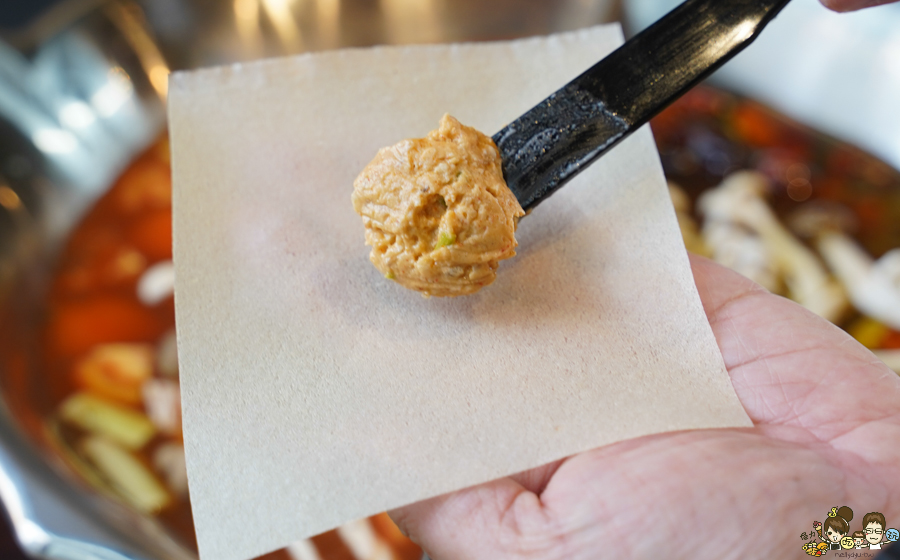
(555, 140)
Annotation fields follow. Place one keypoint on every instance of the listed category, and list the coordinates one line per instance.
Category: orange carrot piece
(76, 326)
(116, 371)
(146, 185)
(152, 235)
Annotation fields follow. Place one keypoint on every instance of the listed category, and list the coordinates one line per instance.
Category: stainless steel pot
(76, 103)
(81, 93)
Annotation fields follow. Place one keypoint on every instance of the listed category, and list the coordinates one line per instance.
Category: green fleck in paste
(445, 239)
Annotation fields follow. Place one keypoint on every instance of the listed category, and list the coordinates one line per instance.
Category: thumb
(499, 519)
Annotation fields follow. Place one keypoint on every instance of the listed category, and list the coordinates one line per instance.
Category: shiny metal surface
(85, 98)
(31, 533)
(196, 33)
(77, 101)
(81, 92)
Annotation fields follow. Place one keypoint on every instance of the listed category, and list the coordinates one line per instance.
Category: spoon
(563, 134)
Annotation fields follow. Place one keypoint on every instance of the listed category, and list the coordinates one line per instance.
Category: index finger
(853, 5)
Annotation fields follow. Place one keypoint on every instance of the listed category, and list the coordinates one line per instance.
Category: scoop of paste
(437, 213)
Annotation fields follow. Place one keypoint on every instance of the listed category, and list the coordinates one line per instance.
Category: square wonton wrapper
(315, 391)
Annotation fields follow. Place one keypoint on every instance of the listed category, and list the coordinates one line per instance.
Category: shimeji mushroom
(169, 461)
(162, 401)
(873, 286)
(740, 225)
(742, 250)
(734, 245)
(361, 538)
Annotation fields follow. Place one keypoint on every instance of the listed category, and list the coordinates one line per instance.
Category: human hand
(826, 417)
(853, 5)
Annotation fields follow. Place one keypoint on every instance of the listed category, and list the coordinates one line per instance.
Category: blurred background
(783, 166)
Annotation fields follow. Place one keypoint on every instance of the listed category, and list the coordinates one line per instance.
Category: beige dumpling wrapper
(437, 212)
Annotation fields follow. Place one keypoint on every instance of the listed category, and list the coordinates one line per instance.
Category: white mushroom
(732, 243)
(162, 401)
(739, 201)
(303, 550)
(168, 460)
(361, 539)
(743, 251)
(813, 218)
(167, 354)
(157, 283)
(873, 286)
